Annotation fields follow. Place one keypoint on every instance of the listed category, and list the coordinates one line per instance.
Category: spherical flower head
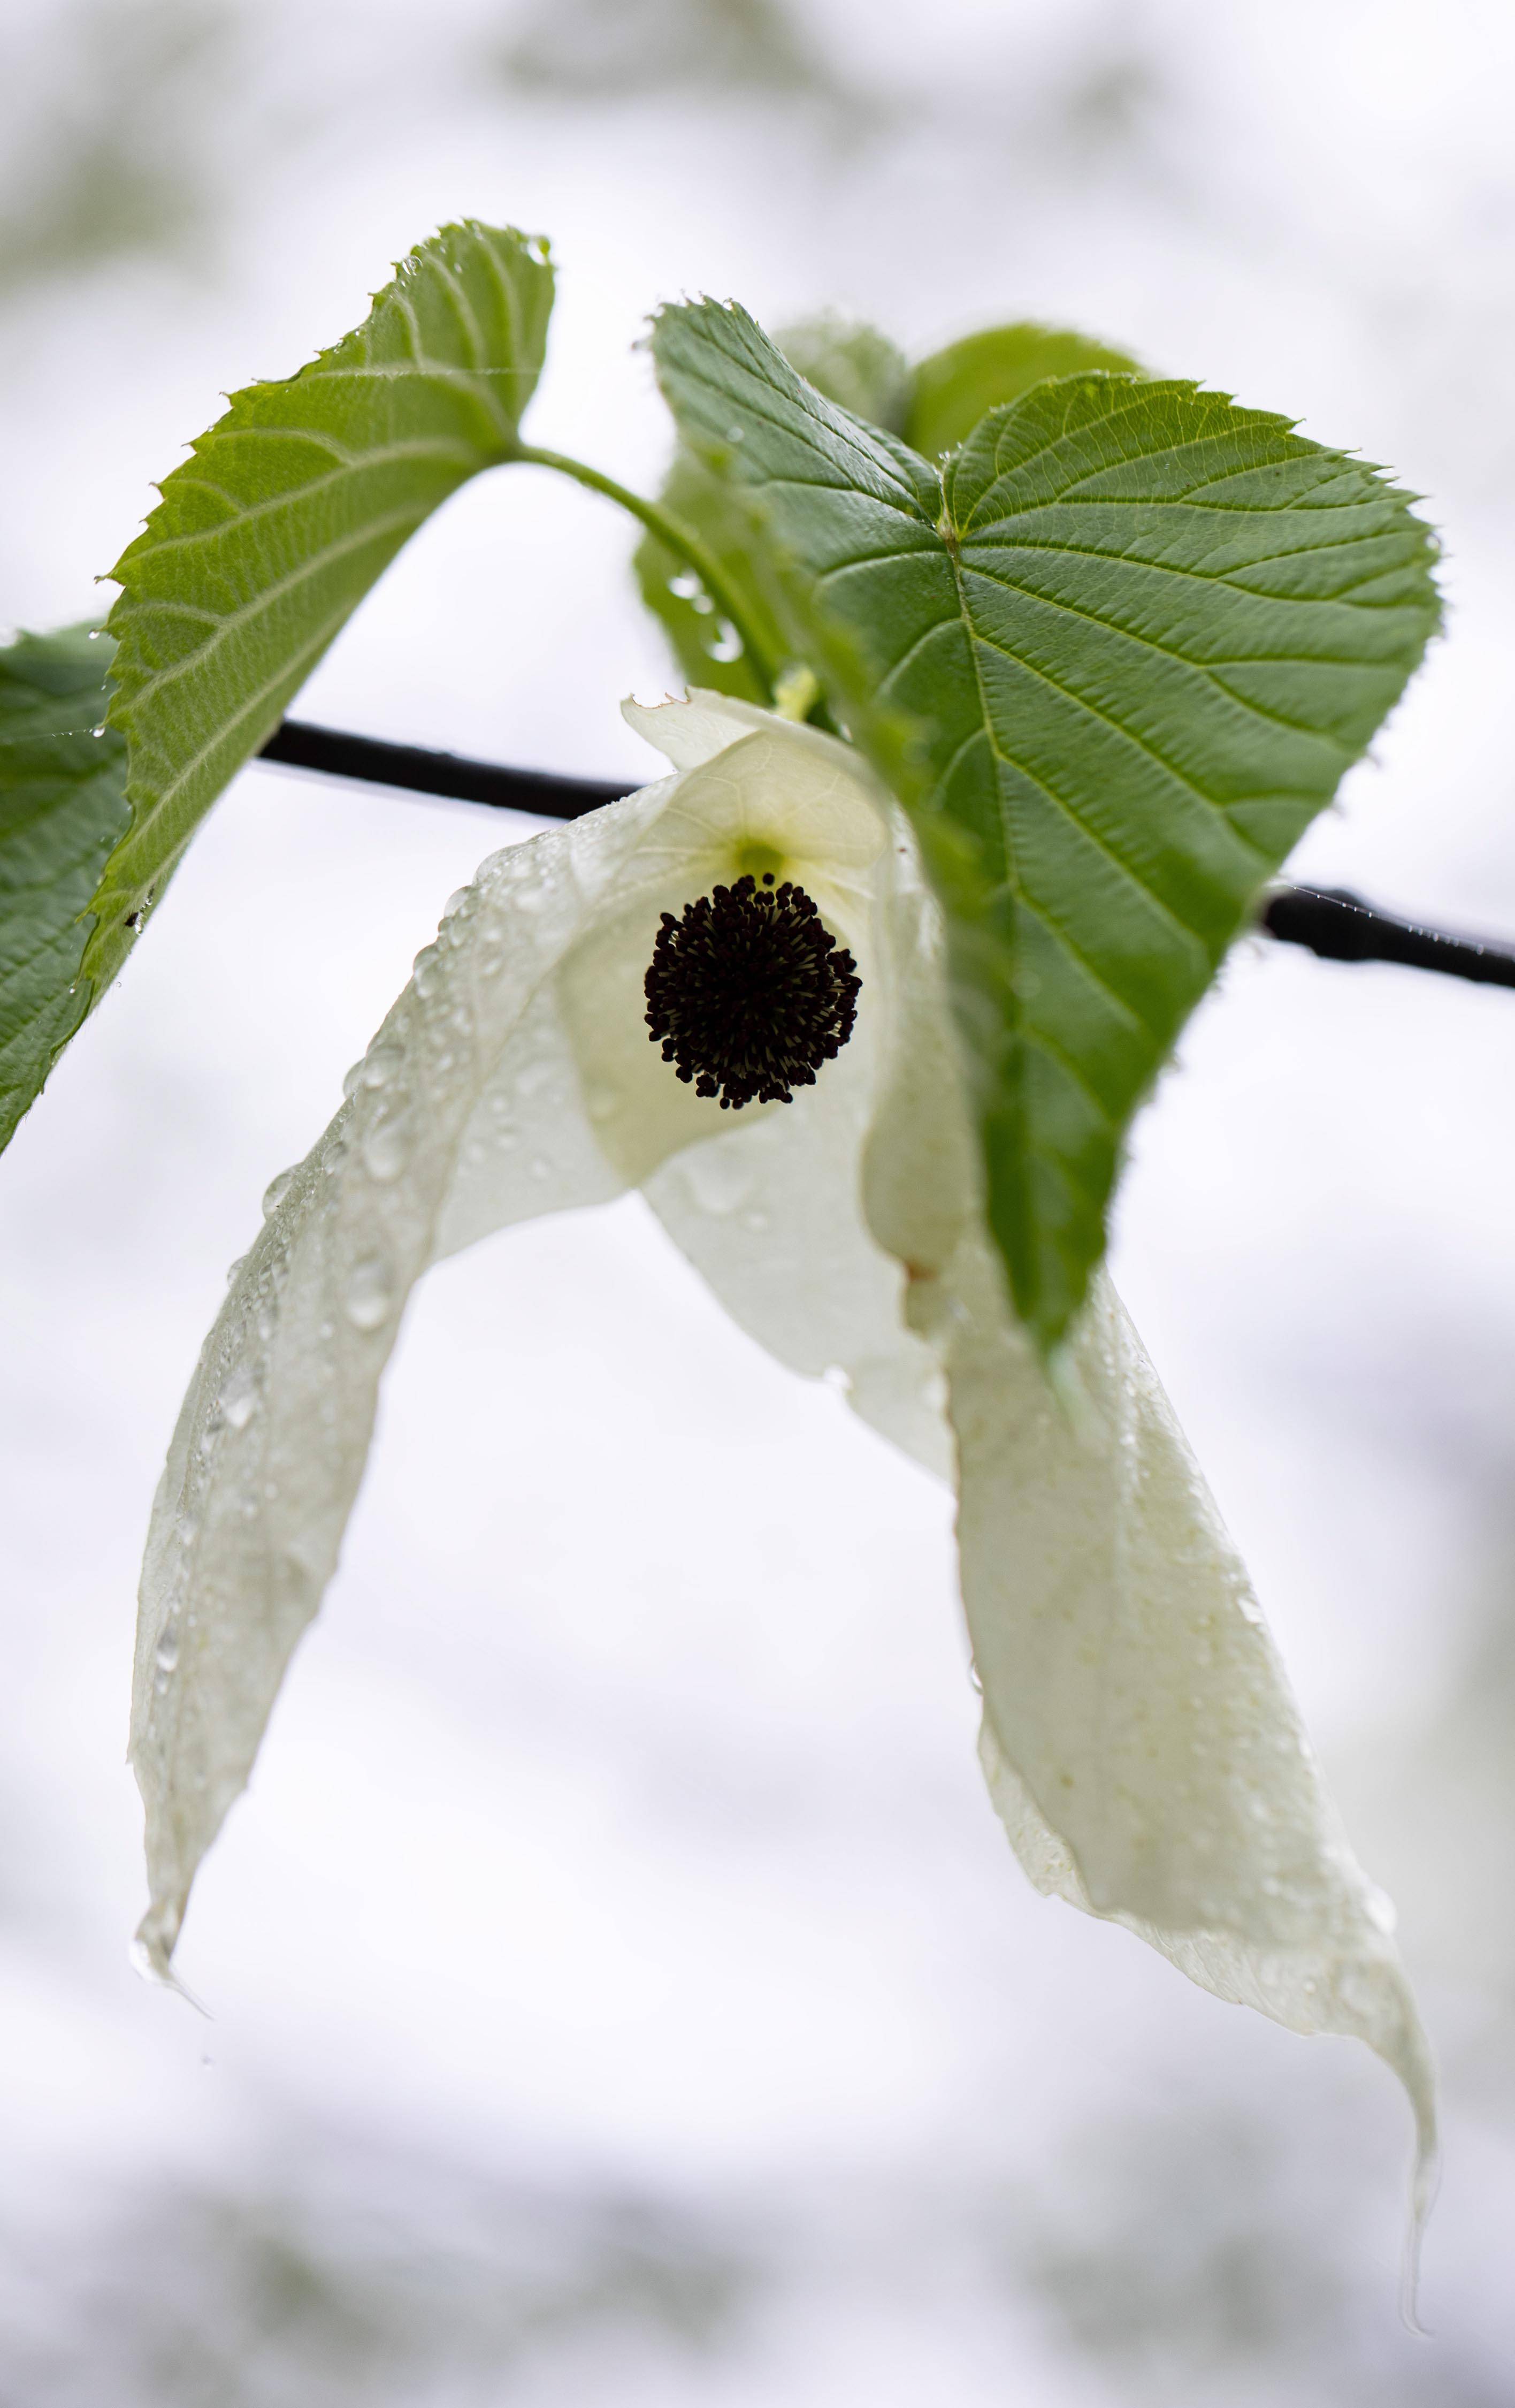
(749, 993)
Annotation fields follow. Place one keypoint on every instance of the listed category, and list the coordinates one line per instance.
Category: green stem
(678, 538)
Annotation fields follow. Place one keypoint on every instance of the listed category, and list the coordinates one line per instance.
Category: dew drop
(239, 1397)
(727, 645)
(455, 901)
(379, 1064)
(232, 1268)
(166, 1654)
(533, 1076)
(276, 1191)
(540, 1166)
(720, 1184)
(370, 1293)
(386, 1149)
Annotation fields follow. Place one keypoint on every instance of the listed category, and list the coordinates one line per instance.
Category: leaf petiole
(681, 540)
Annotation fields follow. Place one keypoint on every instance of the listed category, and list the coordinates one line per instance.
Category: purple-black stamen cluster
(749, 993)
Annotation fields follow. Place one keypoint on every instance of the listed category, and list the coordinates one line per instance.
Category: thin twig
(1338, 925)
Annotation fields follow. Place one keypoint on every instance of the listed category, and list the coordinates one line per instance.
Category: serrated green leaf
(63, 805)
(849, 363)
(954, 388)
(1115, 658)
(291, 505)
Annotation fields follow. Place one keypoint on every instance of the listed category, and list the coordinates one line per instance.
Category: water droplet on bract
(386, 1149)
(352, 1081)
(166, 1654)
(684, 586)
(239, 1398)
(728, 644)
(540, 1166)
(838, 1380)
(720, 1182)
(370, 1293)
(455, 901)
(754, 1221)
(601, 1101)
(232, 1268)
(736, 434)
(334, 1157)
(380, 1062)
(276, 1191)
(702, 603)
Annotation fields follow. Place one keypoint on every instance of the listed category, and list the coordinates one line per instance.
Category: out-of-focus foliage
(62, 779)
(954, 388)
(114, 158)
(610, 48)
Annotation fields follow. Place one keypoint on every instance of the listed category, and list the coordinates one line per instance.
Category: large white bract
(1139, 1738)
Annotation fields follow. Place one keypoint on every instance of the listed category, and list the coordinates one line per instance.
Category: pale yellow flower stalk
(1139, 1738)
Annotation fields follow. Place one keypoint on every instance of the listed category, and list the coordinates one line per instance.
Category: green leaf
(291, 505)
(62, 807)
(704, 646)
(954, 388)
(851, 364)
(1115, 656)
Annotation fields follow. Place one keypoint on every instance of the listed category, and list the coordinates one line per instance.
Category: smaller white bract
(1139, 1739)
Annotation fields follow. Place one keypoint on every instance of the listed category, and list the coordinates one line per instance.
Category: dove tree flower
(1139, 1739)
(863, 1008)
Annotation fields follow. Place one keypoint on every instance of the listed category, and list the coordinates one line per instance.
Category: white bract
(1139, 1739)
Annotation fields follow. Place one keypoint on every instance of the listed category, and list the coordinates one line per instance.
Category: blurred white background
(621, 1991)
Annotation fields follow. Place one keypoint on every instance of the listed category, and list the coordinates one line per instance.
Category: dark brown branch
(1338, 925)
